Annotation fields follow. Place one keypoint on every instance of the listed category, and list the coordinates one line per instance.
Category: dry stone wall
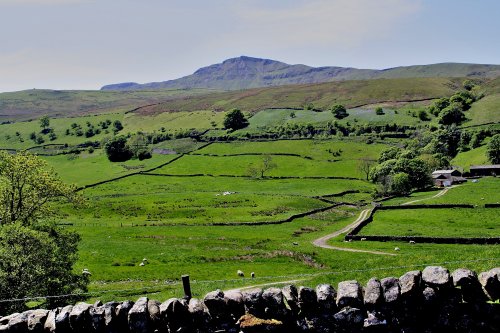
(432, 300)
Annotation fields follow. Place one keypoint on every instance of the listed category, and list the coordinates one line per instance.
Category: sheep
(144, 260)
(396, 248)
(363, 239)
(240, 273)
(252, 275)
(412, 242)
(141, 264)
(85, 271)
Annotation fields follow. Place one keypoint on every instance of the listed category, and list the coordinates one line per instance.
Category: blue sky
(84, 44)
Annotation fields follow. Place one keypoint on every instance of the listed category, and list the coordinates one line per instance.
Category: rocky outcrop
(429, 301)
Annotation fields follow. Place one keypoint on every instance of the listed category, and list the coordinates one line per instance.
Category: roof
(493, 166)
(443, 171)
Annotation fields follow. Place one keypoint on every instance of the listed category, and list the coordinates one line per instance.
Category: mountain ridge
(246, 72)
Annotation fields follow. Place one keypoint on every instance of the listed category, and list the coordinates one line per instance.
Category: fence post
(187, 287)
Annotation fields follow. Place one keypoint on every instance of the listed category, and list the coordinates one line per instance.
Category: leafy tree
(422, 115)
(389, 154)
(379, 111)
(118, 150)
(439, 105)
(117, 126)
(339, 111)
(235, 119)
(451, 115)
(401, 184)
(27, 185)
(264, 166)
(493, 149)
(37, 262)
(468, 85)
(44, 123)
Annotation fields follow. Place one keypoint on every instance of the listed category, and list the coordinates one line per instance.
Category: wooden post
(187, 287)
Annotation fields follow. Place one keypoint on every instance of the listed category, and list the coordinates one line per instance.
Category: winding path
(323, 241)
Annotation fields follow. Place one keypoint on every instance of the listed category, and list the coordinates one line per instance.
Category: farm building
(485, 170)
(447, 177)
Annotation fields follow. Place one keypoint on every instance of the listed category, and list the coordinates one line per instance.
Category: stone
(308, 300)
(62, 319)
(36, 320)
(490, 281)
(97, 318)
(391, 290)
(430, 296)
(175, 313)
(215, 303)
(373, 295)
(253, 302)
(234, 303)
(349, 293)
(375, 322)
(351, 318)
(154, 314)
(290, 295)
(274, 301)
(436, 276)
(19, 323)
(50, 322)
(79, 318)
(326, 298)
(110, 316)
(411, 284)
(138, 316)
(469, 285)
(121, 315)
(198, 313)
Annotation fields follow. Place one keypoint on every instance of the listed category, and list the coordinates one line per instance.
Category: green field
(454, 222)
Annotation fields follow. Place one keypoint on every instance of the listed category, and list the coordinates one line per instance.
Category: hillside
(247, 72)
(31, 104)
(322, 95)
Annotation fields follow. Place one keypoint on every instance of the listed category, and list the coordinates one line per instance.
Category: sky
(85, 44)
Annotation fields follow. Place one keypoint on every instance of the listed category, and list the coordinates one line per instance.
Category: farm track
(322, 241)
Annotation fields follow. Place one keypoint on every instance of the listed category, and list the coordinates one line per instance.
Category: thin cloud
(347, 23)
(41, 2)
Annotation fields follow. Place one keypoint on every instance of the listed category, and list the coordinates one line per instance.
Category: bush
(118, 150)
(143, 155)
(235, 120)
(339, 111)
(379, 111)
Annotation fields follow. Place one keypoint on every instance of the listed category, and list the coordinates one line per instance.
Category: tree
(365, 165)
(493, 149)
(401, 184)
(264, 166)
(451, 115)
(118, 150)
(44, 123)
(235, 119)
(27, 186)
(422, 115)
(339, 111)
(379, 111)
(37, 262)
(117, 126)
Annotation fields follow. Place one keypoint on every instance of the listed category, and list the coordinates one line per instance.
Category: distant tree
(264, 166)
(468, 85)
(365, 165)
(117, 126)
(379, 111)
(389, 154)
(493, 149)
(118, 150)
(422, 115)
(451, 115)
(44, 123)
(235, 119)
(339, 111)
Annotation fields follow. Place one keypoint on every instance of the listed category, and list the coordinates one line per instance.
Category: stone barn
(443, 178)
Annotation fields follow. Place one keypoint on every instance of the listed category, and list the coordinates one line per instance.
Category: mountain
(247, 72)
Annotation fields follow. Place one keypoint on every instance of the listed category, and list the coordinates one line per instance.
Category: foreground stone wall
(432, 300)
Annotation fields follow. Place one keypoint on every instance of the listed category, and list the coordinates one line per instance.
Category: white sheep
(363, 239)
(141, 264)
(85, 271)
(252, 274)
(240, 273)
(412, 242)
(396, 248)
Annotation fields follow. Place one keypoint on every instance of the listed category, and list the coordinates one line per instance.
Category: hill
(247, 72)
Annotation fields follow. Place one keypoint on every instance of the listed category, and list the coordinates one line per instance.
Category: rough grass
(475, 156)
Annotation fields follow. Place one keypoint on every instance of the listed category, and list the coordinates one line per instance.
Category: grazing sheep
(396, 248)
(144, 260)
(85, 271)
(240, 273)
(252, 275)
(141, 264)
(363, 239)
(295, 243)
(412, 242)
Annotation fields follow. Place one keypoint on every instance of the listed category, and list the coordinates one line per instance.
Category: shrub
(118, 150)
(379, 111)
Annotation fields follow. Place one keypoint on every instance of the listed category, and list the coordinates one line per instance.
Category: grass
(455, 222)
(486, 190)
(475, 156)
